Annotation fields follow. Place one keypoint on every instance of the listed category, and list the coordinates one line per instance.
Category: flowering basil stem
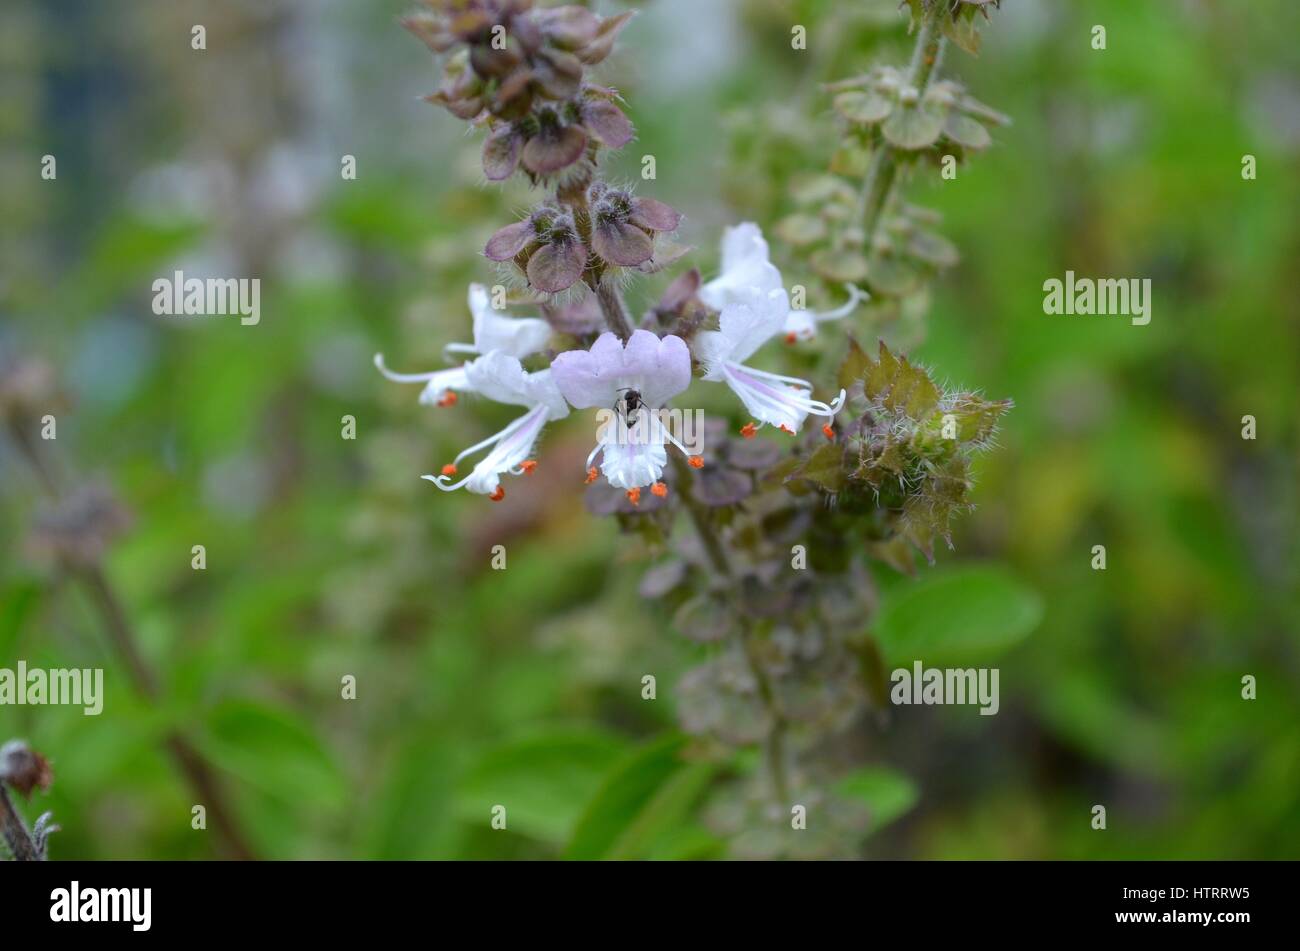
(789, 502)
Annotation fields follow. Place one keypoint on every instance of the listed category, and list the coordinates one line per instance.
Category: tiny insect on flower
(631, 440)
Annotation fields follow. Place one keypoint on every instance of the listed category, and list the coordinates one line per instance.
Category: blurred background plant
(328, 557)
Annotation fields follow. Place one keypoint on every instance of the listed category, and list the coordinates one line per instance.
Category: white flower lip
(746, 268)
(502, 378)
(516, 336)
(632, 457)
(755, 308)
(493, 333)
(510, 449)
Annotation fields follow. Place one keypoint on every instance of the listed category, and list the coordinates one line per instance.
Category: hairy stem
(882, 174)
(31, 451)
(120, 636)
(15, 831)
(611, 305)
(774, 743)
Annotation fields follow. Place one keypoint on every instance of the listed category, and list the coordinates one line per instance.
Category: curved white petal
(502, 378)
(436, 382)
(516, 336)
(746, 266)
(743, 327)
(510, 448)
(803, 323)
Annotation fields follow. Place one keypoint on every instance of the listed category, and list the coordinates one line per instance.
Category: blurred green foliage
(523, 687)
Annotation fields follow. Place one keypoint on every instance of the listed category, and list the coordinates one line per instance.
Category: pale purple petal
(589, 378)
(657, 369)
(663, 366)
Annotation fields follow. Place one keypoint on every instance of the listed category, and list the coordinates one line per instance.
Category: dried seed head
(23, 768)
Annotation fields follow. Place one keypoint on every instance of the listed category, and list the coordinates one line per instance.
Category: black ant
(628, 404)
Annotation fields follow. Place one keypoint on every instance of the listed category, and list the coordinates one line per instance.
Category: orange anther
(786, 429)
(529, 466)
(828, 432)
(448, 399)
(449, 469)
(591, 475)
(634, 496)
(659, 489)
(696, 462)
(499, 494)
(791, 338)
(749, 429)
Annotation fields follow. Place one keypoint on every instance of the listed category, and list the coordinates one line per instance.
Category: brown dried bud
(624, 227)
(79, 528)
(23, 768)
(28, 389)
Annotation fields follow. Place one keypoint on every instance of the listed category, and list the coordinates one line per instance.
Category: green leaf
(933, 249)
(801, 229)
(634, 801)
(977, 417)
(687, 844)
(276, 752)
(824, 468)
(863, 107)
(900, 387)
(963, 614)
(912, 128)
(966, 131)
(890, 276)
(854, 366)
(542, 781)
(963, 31)
(840, 266)
(665, 811)
(17, 603)
(410, 818)
(887, 793)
